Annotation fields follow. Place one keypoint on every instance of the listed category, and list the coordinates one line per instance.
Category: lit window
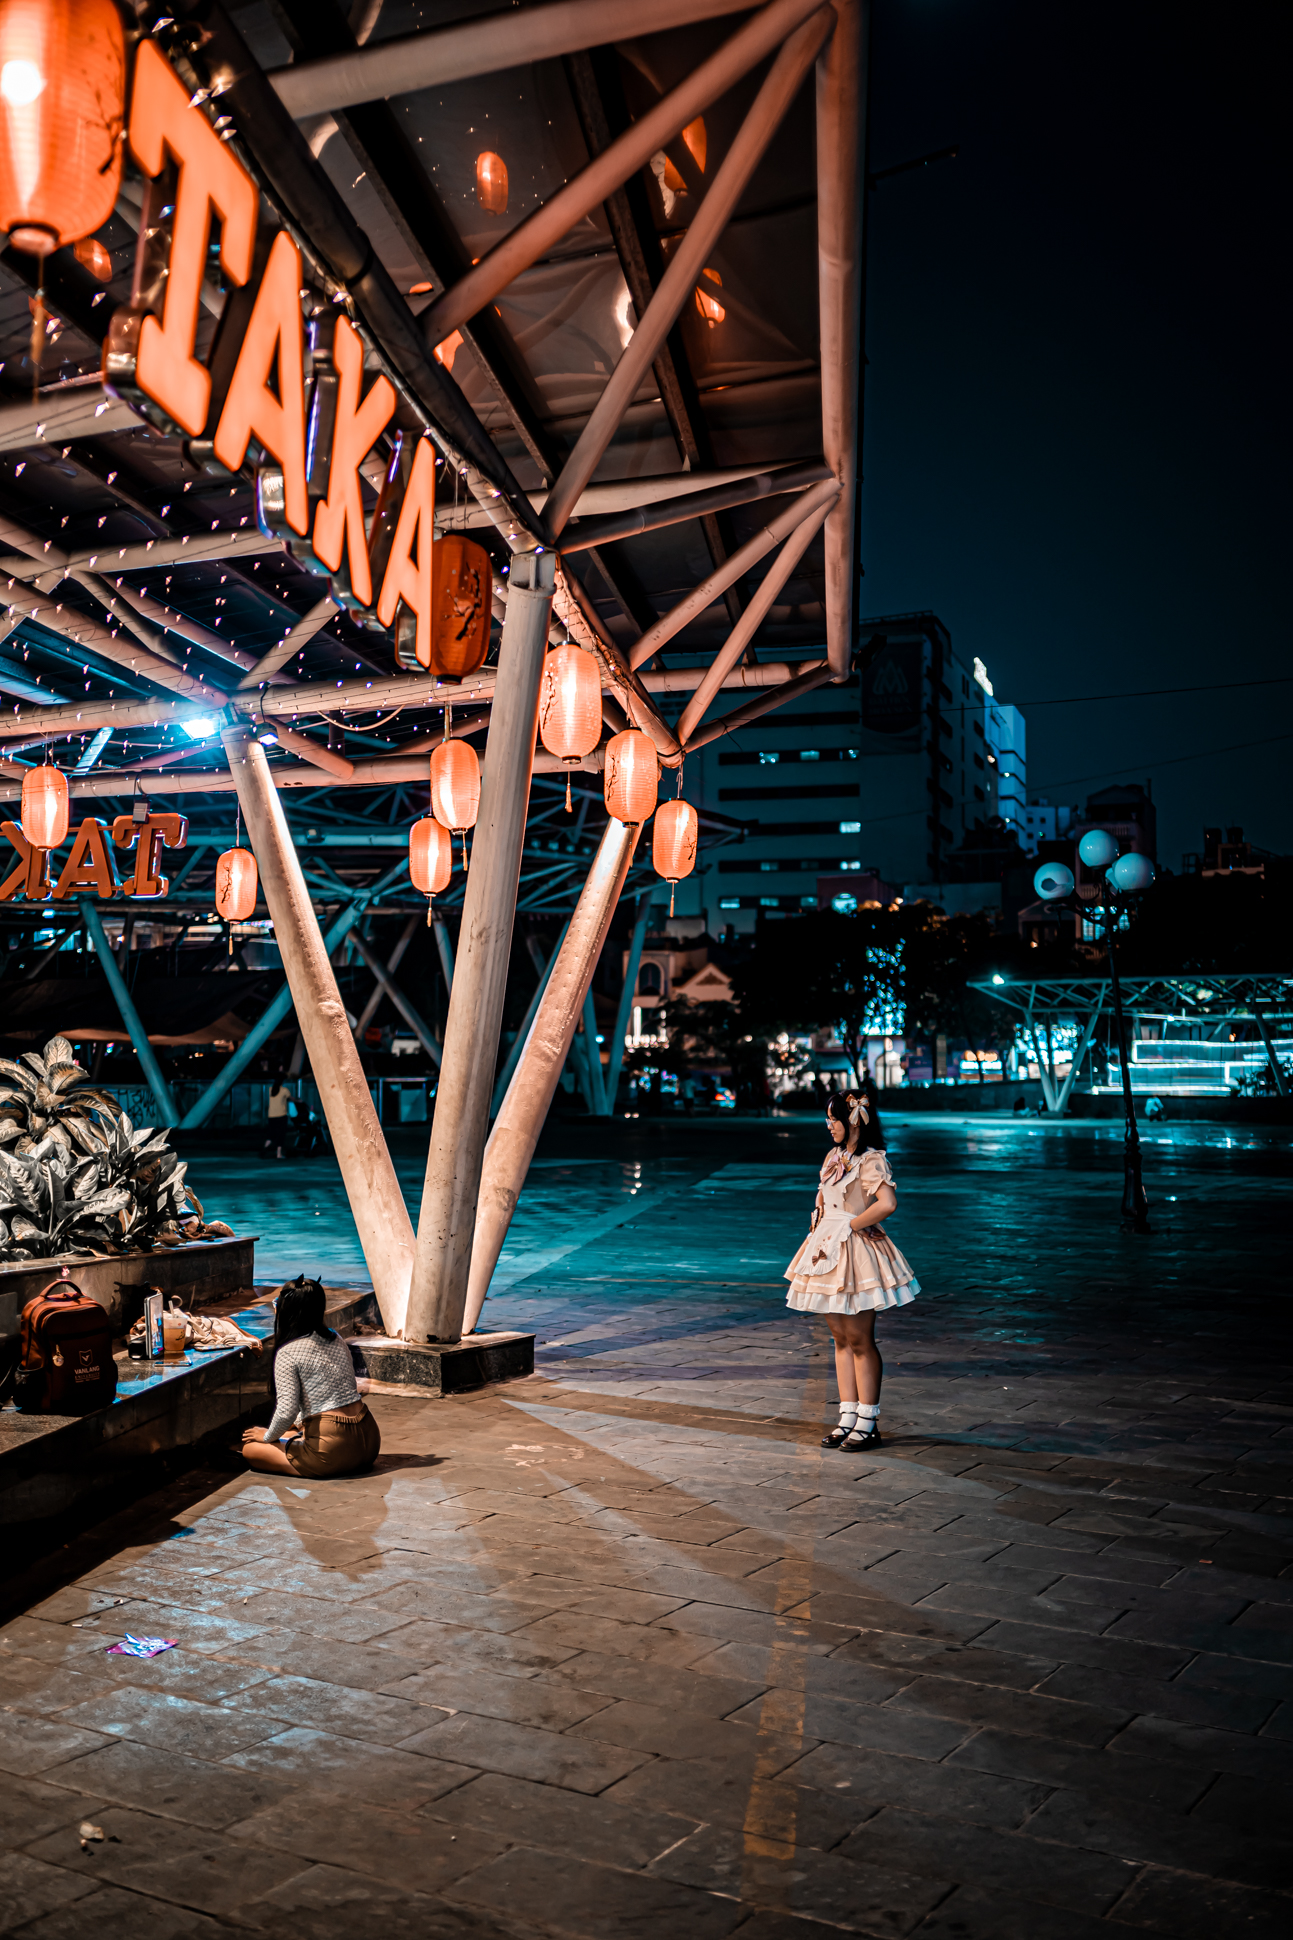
(729, 902)
(767, 867)
(766, 760)
(850, 865)
(768, 902)
(850, 828)
(810, 754)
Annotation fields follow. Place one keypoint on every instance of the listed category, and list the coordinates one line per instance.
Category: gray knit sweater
(310, 1377)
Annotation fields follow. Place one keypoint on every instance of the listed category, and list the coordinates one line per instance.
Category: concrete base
(435, 1368)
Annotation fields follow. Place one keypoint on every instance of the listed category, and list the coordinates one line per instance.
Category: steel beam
(510, 1062)
(841, 203)
(613, 162)
(486, 45)
(519, 1122)
(263, 1029)
(720, 668)
(393, 961)
(444, 1241)
(816, 500)
(675, 511)
(625, 1010)
(688, 261)
(425, 1035)
(144, 1051)
(814, 676)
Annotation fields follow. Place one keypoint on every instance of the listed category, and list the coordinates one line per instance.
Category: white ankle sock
(868, 1417)
(848, 1413)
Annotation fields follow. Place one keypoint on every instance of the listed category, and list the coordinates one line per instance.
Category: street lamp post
(1124, 877)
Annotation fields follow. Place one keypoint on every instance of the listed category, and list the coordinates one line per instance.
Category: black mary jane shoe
(837, 1437)
(853, 1441)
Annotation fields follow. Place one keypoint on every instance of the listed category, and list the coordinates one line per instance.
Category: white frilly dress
(838, 1271)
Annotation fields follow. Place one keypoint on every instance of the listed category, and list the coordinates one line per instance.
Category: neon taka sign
(92, 864)
(307, 429)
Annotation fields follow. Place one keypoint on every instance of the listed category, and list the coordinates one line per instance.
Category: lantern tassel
(38, 321)
(672, 887)
(569, 810)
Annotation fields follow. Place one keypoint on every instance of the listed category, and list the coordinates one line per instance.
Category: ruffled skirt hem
(805, 1297)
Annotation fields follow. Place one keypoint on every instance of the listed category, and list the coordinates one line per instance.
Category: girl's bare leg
(268, 1457)
(868, 1369)
(845, 1378)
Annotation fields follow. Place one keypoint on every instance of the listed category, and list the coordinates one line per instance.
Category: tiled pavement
(620, 1651)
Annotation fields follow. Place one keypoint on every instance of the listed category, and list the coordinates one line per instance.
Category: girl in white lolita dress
(848, 1268)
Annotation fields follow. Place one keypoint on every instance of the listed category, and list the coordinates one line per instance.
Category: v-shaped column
(385, 1230)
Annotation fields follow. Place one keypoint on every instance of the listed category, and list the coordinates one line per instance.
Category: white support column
(382, 1221)
(517, 1127)
(444, 1242)
(841, 212)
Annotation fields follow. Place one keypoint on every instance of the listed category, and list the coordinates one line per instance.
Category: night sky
(1077, 406)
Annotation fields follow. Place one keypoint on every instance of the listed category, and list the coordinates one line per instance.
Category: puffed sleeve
(874, 1172)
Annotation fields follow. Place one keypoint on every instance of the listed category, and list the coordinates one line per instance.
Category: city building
(884, 776)
(1043, 821)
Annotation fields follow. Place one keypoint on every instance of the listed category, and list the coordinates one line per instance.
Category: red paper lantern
(44, 812)
(491, 183)
(673, 845)
(632, 777)
(236, 884)
(455, 785)
(570, 703)
(430, 856)
(462, 600)
(62, 111)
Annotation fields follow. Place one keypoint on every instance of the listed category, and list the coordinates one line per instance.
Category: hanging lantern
(673, 844)
(632, 776)
(430, 857)
(455, 788)
(570, 706)
(44, 812)
(462, 600)
(62, 109)
(236, 884)
(491, 183)
(709, 306)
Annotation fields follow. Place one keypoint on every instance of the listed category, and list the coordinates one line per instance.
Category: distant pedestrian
(688, 1089)
(848, 1268)
(320, 1426)
(281, 1105)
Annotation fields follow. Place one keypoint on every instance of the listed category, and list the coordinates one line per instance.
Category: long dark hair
(299, 1311)
(841, 1104)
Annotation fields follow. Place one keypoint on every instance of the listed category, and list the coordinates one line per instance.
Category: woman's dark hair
(299, 1311)
(870, 1133)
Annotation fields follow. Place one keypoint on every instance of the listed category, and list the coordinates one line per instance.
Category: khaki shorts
(335, 1445)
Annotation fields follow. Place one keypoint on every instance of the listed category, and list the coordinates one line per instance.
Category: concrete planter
(201, 1272)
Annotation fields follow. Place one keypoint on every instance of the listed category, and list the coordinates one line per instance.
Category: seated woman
(314, 1386)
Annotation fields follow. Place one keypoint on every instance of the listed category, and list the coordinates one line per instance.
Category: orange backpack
(65, 1364)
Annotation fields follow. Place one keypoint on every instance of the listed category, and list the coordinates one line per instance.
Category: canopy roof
(141, 597)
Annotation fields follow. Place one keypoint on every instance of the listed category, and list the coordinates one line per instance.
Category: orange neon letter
(30, 877)
(157, 833)
(405, 578)
(274, 344)
(339, 521)
(162, 121)
(90, 865)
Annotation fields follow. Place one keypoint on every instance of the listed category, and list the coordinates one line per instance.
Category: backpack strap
(57, 1288)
